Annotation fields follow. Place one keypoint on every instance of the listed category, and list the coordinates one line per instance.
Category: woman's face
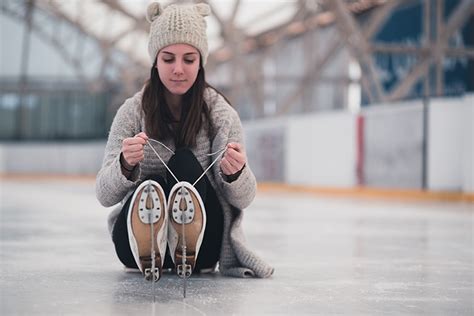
(178, 66)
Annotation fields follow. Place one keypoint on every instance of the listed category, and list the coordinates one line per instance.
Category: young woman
(175, 160)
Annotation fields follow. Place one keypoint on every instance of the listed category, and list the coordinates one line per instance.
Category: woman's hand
(234, 159)
(132, 150)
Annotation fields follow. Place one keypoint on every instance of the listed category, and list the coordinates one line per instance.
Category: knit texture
(178, 24)
(236, 259)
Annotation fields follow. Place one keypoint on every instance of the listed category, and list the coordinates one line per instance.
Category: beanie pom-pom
(203, 9)
(153, 11)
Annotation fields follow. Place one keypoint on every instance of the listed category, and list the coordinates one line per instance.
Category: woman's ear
(153, 11)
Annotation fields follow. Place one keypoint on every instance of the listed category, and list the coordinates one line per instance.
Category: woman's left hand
(234, 159)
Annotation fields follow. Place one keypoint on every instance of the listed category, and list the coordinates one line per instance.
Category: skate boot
(186, 229)
(147, 228)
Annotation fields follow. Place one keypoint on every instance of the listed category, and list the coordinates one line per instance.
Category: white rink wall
(393, 145)
(63, 158)
(313, 149)
(450, 145)
(321, 150)
(317, 149)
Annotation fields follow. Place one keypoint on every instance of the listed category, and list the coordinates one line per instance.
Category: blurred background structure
(332, 93)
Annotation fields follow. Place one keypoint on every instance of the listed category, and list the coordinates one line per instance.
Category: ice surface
(331, 256)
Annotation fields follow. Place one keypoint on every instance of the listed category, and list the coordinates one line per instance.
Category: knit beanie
(177, 24)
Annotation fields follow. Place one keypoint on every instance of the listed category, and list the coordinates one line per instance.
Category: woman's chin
(178, 91)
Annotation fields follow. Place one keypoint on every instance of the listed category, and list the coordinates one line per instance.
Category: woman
(175, 159)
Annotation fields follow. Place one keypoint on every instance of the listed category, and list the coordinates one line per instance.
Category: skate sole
(142, 229)
(187, 201)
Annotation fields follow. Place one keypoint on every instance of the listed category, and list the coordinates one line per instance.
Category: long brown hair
(159, 121)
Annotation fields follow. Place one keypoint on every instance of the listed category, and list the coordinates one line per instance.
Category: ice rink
(331, 256)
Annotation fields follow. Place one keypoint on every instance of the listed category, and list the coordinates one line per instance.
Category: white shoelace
(219, 154)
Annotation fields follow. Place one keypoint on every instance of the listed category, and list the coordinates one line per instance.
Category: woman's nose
(178, 68)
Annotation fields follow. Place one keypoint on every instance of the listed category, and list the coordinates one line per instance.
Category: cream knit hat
(177, 24)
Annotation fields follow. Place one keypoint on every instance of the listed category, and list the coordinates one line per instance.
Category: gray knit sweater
(112, 187)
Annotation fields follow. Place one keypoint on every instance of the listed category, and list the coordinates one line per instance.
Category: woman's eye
(189, 61)
(168, 60)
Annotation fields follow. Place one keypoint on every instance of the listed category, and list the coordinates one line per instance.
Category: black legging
(186, 168)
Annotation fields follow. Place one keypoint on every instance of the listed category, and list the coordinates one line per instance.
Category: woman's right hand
(132, 150)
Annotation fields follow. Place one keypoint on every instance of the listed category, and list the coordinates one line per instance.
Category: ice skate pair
(153, 223)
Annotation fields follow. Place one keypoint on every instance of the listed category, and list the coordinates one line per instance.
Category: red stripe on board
(360, 150)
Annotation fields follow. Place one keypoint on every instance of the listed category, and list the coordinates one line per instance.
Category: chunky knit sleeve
(228, 128)
(111, 184)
